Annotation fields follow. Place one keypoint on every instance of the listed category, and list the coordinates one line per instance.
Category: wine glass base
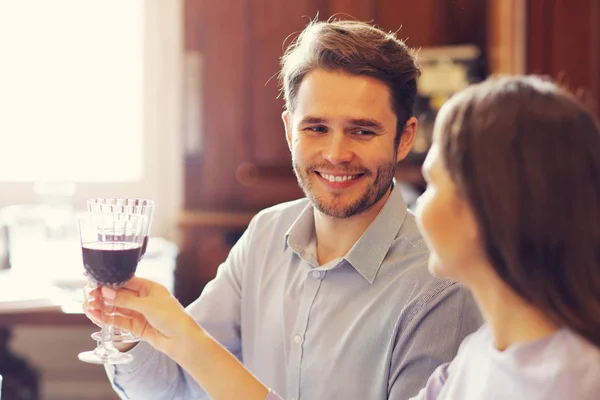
(96, 357)
(117, 337)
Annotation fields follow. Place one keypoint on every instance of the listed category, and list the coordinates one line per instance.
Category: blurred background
(177, 101)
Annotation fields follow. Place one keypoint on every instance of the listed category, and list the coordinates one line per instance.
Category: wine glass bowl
(111, 245)
(127, 206)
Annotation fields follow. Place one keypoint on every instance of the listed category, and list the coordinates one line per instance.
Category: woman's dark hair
(525, 154)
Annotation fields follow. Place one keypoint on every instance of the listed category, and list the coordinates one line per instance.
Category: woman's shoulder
(581, 351)
(577, 367)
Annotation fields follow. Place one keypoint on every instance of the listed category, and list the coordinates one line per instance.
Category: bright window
(91, 92)
(71, 90)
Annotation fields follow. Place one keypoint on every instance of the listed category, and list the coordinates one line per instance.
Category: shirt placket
(312, 283)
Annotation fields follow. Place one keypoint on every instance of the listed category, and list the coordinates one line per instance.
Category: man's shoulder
(419, 290)
(410, 234)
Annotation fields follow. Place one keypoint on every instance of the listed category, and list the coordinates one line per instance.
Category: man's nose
(339, 149)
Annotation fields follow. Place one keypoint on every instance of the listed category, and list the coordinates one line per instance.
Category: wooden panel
(595, 56)
(539, 18)
(506, 36)
(191, 24)
(420, 23)
(564, 43)
(271, 22)
(210, 177)
(214, 219)
(466, 22)
(571, 38)
(360, 10)
(51, 318)
(202, 251)
(435, 22)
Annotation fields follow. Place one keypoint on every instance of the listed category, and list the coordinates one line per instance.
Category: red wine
(144, 246)
(110, 263)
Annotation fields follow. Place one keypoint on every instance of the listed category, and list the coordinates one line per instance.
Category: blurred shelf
(214, 219)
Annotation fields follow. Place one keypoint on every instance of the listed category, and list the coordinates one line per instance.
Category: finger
(136, 324)
(96, 297)
(94, 313)
(90, 295)
(89, 287)
(126, 299)
(106, 292)
(138, 284)
(95, 304)
(91, 314)
(125, 312)
(102, 318)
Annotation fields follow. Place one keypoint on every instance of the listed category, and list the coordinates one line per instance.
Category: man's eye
(317, 128)
(364, 132)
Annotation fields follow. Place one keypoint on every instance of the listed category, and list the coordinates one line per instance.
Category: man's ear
(286, 116)
(408, 138)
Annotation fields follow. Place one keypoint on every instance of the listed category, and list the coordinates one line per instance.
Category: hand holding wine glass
(150, 311)
(123, 205)
(111, 247)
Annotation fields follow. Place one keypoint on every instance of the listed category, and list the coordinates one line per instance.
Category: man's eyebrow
(367, 123)
(362, 122)
(312, 120)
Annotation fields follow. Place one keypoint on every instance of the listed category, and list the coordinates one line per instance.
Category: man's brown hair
(356, 48)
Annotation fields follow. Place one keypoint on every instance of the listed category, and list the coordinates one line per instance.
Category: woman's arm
(148, 310)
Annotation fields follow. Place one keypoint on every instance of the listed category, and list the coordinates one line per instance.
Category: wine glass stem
(107, 330)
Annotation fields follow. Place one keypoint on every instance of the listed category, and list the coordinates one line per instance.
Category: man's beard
(334, 207)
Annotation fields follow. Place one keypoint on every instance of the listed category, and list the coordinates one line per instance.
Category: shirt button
(297, 339)
(316, 274)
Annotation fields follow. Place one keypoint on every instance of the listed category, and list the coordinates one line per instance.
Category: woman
(512, 210)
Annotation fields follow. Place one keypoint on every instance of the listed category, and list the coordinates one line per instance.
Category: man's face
(341, 135)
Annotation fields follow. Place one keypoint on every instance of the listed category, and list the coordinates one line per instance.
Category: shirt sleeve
(153, 375)
(430, 339)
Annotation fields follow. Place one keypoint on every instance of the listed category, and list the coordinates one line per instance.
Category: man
(329, 297)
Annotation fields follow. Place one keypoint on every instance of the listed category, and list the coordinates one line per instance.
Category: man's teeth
(333, 178)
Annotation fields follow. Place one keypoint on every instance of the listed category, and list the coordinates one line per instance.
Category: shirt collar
(369, 251)
(302, 231)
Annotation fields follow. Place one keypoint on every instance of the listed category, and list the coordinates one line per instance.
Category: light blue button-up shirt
(371, 325)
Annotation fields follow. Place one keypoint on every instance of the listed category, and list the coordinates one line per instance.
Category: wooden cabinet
(563, 41)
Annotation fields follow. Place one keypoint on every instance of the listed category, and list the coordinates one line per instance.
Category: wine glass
(116, 205)
(111, 246)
